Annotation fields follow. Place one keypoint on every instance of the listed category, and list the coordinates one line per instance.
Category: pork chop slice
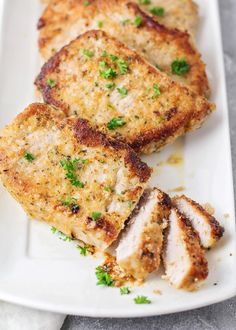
(184, 259)
(98, 78)
(171, 50)
(208, 228)
(139, 249)
(65, 173)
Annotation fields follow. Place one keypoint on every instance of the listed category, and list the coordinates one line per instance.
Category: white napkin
(14, 317)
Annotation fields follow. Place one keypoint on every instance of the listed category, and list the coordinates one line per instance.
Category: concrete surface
(220, 316)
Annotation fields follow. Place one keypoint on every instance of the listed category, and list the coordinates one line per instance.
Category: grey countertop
(220, 316)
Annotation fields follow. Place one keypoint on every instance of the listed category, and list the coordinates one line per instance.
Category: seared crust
(217, 230)
(150, 122)
(199, 266)
(111, 174)
(64, 20)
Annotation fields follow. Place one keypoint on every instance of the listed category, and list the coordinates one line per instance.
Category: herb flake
(157, 11)
(142, 300)
(29, 157)
(115, 123)
(103, 277)
(122, 91)
(96, 215)
(180, 67)
(124, 290)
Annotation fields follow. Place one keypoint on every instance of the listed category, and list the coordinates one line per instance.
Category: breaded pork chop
(180, 14)
(168, 49)
(208, 228)
(69, 175)
(100, 79)
(184, 259)
(139, 249)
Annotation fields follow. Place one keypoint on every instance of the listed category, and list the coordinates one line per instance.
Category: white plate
(41, 271)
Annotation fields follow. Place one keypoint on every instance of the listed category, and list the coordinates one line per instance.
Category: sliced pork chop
(183, 257)
(208, 228)
(64, 20)
(69, 175)
(100, 79)
(139, 250)
(180, 14)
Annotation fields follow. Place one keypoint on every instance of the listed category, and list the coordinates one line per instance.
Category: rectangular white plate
(41, 271)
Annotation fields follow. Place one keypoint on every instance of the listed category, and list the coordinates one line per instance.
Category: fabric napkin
(13, 317)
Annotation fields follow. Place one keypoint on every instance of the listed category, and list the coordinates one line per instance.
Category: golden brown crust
(169, 115)
(64, 20)
(42, 187)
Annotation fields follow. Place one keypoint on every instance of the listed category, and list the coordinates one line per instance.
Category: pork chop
(65, 173)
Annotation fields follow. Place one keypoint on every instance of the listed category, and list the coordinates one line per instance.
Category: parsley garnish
(157, 11)
(142, 300)
(103, 277)
(113, 57)
(71, 203)
(87, 3)
(130, 204)
(124, 290)
(138, 21)
(123, 66)
(111, 86)
(122, 91)
(88, 53)
(157, 91)
(180, 67)
(83, 250)
(125, 21)
(61, 235)
(100, 24)
(70, 166)
(104, 54)
(28, 156)
(51, 83)
(109, 73)
(96, 215)
(108, 189)
(68, 201)
(145, 2)
(115, 122)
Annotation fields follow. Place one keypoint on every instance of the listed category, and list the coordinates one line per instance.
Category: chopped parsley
(138, 21)
(102, 64)
(88, 53)
(83, 250)
(115, 123)
(71, 203)
(70, 166)
(108, 189)
(87, 3)
(28, 156)
(96, 215)
(157, 11)
(61, 235)
(100, 24)
(125, 21)
(51, 83)
(123, 66)
(113, 57)
(122, 91)
(142, 300)
(157, 91)
(96, 84)
(103, 277)
(108, 74)
(130, 204)
(124, 290)
(180, 67)
(145, 2)
(104, 54)
(110, 86)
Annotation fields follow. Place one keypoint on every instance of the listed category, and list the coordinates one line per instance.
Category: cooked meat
(64, 20)
(69, 175)
(206, 225)
(184, 259)
(139, 250)
(180, 14)
(99, 79)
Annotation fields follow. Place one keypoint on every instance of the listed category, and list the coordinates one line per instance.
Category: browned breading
(64, 20)
(155, 110)
(62, 171)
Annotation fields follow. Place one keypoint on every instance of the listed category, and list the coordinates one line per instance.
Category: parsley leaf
(28, 156)
(96, 215)
(157, 11)
(145, 2)
(180, 67)
(113, 57)
(124, 290)
(100, 24)
(123, 66)
(109, 73)
(138, 21)
(61, 235)
(87, 3)
(108, 189)
(51, 83)
(157, 91)
(115, 123)
(110, 86)
(122, 91)
(125, 21)
(142, 300)
(70, 166)
(103, 277)
(83, 250)
(88, 53)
